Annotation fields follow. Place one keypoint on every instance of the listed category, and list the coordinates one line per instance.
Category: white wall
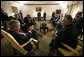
(76, 9)
(6, 6)
(30, 9)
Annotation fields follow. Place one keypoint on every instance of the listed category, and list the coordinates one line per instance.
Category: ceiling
(40, 2)
(46, 2)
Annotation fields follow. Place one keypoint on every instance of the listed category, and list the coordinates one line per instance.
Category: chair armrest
(70, 48)
(34, 47)
(81, 39)
(35, 40)
(26, 42)
(2, 27)
(66, 53)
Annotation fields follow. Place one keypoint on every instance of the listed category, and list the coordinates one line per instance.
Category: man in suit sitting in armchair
(78, 21)
(67, 34)
(31, 32)
(19, 36)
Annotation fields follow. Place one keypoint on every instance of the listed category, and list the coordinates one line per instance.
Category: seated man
(52, 20)
(31, 32)
(33, 21)
(27, 21)
(20, 37)
(78, 21)
(67, 34)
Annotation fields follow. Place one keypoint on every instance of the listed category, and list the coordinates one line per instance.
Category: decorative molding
(41, 4)
(73, 4)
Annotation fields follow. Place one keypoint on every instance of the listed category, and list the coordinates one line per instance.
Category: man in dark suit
(78, 21)
(19, 36)
(20, 19)
(4, 16)
(27, 21)
(21, 14)
(21, 22)
(39, 16)
(68, 34)
(53, 14)
(31, 32)
(44, 15)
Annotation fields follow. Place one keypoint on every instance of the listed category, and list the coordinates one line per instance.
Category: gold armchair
(15, 44)
(80, 37)
(72, 52)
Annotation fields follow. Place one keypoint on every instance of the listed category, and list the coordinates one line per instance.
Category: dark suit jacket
(4, 17)
(39, 14)
(32, 35)
(21, 15)
(79, 24)
(44, 15)
(67, 35)
(53, 14)
(20, 38)
(26, 21)
(20, 20)
(33, 21)
(27, 24)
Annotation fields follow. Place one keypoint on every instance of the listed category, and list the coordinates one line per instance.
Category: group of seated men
(20, 36)
(21, 30)
(68, 31)
(25, 22)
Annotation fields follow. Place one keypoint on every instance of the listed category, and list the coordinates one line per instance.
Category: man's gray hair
(12, 24)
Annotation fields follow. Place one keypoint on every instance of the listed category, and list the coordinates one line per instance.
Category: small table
(44, 27)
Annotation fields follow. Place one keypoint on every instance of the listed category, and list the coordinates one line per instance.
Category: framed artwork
(14, 9)
(38, 9)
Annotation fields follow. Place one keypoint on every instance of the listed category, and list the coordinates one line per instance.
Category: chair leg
(51, 52)
(28, 54)
(15, 51)
(58, 53)
(2, 36)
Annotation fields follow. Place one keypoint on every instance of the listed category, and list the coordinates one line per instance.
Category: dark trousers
(54, 47)
(53, 51)
(28, 47)
(39, 18)
(44, 29)
(44, 18)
